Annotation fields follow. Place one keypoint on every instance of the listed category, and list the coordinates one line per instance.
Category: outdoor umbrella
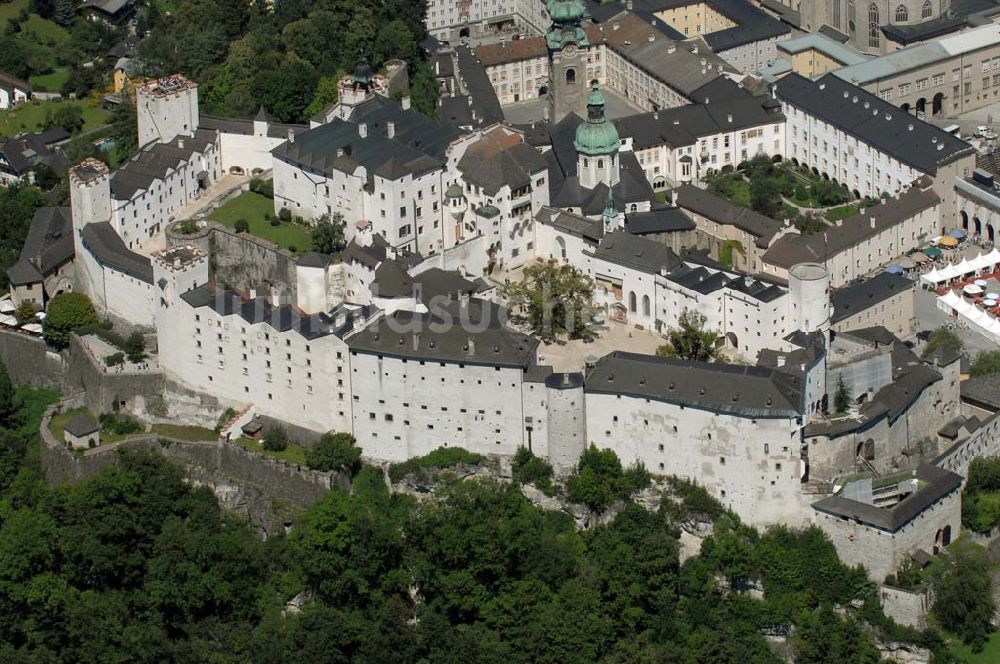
(972, 289)
(948, 241)
(894, 269)
(958, 233)
(980, 282)
(933, 252)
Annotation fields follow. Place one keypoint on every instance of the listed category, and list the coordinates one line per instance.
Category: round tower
(566, 421)
(597, 143)
(809, 290)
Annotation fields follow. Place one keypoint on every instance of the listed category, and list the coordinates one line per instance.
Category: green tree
(827, 193)
(556, 299)
(690, 340)
(241, 226)
(44, 177)
(287, 90)
(328, 234)
(275, 439)
(135, 348)
(17, 206)
(986, 362)
(10, 403)
(326, 93)
(125, 129)
(765, 197)
(335, 451)
(963, 594)
(526, 468)
(826, 638)
(64, 12)
(67, 313)
(942, 337)
(69, 117)
(600, 479)
(842, 397)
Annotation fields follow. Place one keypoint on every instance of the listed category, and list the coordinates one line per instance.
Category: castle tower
(166, 108)
(356, 88)
(89, 193)
(809, 291)
(566, 420)
(596, 144)
(176, 271)
(567, 41)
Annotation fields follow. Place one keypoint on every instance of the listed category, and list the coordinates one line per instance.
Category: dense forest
(134, 565)
(289, 58)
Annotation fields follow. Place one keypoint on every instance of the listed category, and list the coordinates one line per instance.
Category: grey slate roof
(880, 124)
(937, 483)
(793, 248)
(752, 25)
(153, 163)
(485, 103)
(282, 318)
(722, 211)
(637, 252)
(244, 126)
(338, 146)
(720, 89)
(492, 165)
(24, 151)
(588, 229)
(722, 388)
(81, 424)
(854, 298)
(370, 256)
(982, 392)
(682, 126)
(412, 128)
(439, 337)
(108, 248)
(658, 220)
(48, 245)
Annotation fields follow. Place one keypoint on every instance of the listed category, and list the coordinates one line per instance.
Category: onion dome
(596, 136)
(565, 11)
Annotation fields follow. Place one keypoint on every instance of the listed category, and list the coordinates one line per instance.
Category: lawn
(252, 207)
(184, 432)
(293, 454)
(51, 82)
(989, 655)
(58, 425)
(842, 212)
(31, 116)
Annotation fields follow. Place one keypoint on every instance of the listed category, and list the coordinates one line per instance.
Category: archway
(989, 233)
(938, 104)
(795, 162)
(570, 76)
(543, 90)
(659, 183)
(921, 107)
(463, 33)
(857, 194)
(977, 226)
(632, 307)
(965, 220)
(645, 305)
(905, 107)
(815, 171)
(733, 340)
(561, 243)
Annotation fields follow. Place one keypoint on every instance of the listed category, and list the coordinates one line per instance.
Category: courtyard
(258, 211)
(568, 356)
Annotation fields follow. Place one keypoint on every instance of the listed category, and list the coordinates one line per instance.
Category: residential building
(885, 300)
(13, 91)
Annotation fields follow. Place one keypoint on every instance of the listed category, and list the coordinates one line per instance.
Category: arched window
(631, 301)
(873, 26)
(645, 305)
(850, 15)
(570, 76)
(586, 163)
(600, 163)
(902, 16)
(926, 10)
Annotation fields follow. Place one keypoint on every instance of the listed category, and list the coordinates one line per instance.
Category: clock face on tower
(570, 49)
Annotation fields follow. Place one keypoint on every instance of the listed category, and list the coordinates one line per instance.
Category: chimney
(405, 101)
(291, 135)
(909, 127)
(703, 61)
(822, 86)
(471, 345)
(673, 198)
(694, 49)
(730, 118)
(180, 142)
(416, 340)
(391, 130)
(861, 211)
(840, 222)
(656, 115)
(671, 48)
(872, 219)
(652, 37)
(628, 5)
(363, 129)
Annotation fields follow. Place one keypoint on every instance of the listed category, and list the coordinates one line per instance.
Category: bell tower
(567, 41)
(597, 144)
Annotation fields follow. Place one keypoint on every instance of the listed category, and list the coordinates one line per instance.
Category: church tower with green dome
(567, 41)
(597, 143)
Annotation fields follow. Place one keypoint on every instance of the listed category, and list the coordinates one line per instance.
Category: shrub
(262, 187)
(25, 312)
(115, 359)
(241, 226)
(442, 457)
(335, 451)
(226, 415)
(119, 425)
(284, 214)
(292, 248)
(275, 221)
(529, 469)
(275, 440)
(134, 348)
(599, 479)
(187, 227)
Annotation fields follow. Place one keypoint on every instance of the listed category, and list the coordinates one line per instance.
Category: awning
(972, 289)
(958, 233)
(906, 262)
(919, 257)
(933, 252)
(894, 269)
(948, 241)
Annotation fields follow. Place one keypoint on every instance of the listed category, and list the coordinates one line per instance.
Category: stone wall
(267, 492)
(906, 607)
(243, 261)
(29, 362)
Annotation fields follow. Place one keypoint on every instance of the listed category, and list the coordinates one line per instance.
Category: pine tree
(842, 397)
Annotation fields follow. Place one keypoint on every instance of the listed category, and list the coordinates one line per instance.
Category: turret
(566, 420)
(89, 193)
(166, 108)
(176, 271)
(809, 290)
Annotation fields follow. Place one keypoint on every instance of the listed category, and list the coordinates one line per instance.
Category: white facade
(445, 18)
(166, 108)
(12, 96)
